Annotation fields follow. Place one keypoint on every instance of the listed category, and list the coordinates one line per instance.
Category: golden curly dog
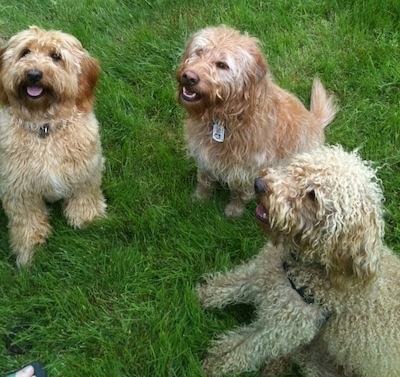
(326, 287)
(49, 136)
(239, 121)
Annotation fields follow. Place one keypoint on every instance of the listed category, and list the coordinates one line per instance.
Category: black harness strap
(302, 291)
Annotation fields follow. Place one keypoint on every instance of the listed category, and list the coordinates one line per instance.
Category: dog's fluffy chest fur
(235, 159)
(53, 164)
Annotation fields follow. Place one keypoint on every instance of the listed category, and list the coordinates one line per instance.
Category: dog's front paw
(200, 290)
(205, 296)
(211, 366)
(234, 209)
(276, 367)
(236, 352)
(202, 194)
(80, 211)
(212, 296)
(25, 240)
(221, 361)
(25, 257)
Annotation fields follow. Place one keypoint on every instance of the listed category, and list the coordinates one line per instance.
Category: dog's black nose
(259, 186)
(34, 75)
(190, 78)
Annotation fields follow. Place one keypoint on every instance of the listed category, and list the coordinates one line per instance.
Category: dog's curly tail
(322, 106)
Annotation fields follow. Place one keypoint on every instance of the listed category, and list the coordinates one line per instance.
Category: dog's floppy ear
(357, 254)
(3, 96)
(88, 78)
(261, 67)
(188, 49)
(252, 88)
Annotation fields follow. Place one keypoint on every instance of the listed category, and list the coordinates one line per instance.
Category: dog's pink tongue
(261, 211)
(34, 91)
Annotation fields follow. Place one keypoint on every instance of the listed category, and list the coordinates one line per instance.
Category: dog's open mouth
(190, 96)
(262, 214)
(34, 91)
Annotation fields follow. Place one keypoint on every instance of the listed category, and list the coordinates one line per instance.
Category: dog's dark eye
(222, 65)
(25, 52)
(56, 57)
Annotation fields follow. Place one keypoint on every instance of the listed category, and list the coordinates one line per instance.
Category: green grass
(117, 298)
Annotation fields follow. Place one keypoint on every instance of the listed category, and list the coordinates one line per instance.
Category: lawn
(117, 298)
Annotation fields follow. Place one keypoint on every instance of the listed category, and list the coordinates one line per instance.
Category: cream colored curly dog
(49, 136)
(326, 287)
(239, 121)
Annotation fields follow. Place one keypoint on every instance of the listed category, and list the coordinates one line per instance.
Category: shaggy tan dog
(49, 138)
(239, 121)
(326, 287)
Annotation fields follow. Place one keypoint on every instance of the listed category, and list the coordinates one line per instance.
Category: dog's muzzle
(33, 89)
(189, 79)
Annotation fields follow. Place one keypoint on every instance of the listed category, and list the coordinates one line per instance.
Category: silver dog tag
(44, 131)
(218, 132)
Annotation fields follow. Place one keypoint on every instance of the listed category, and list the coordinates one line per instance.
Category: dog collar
(44, 131)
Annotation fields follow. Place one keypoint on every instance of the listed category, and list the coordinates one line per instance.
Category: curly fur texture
(224, 79)
(323, 213)
(49, 136)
